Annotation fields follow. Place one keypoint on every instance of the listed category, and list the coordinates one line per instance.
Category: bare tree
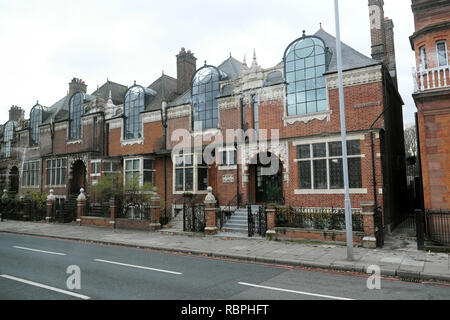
(410, 142)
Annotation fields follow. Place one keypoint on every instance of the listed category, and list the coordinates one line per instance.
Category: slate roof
(231, 67)
(117, 92)
(351, 59)
(165, 88)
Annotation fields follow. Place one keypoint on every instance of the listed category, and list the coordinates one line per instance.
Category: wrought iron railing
(317, 218)
(437, 226)
(100, 210)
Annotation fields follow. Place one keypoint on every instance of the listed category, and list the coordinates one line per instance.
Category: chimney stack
(376, 14)
(390, 49)
(186, 67)
(382, 36)
(77, 85)
(16, 113)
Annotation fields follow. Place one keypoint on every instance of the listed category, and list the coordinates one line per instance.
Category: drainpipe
(375, 198)
(164, 123)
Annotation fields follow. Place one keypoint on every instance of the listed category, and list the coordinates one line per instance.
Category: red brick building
(430, 43)
(269, 134)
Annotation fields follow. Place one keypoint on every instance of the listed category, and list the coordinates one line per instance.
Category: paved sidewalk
(405, 264)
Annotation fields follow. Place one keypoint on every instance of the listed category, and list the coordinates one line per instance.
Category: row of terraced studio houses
(288, 113)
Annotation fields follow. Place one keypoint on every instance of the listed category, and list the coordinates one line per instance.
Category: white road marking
(42, 251)
(138, 267)
(45, 287)
(293, 291)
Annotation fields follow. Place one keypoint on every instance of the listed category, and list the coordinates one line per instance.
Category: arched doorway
(266, 179)
(14, 180)
(78, 177)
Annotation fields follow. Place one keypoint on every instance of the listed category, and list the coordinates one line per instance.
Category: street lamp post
(348, 206)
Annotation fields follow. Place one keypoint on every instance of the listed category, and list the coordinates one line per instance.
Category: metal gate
(194, 218)
(257, 221)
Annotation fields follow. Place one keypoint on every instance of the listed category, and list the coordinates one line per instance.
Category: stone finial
(81, 196)
(210, 197)
(245, 60)
(51, 196)
(5, 194)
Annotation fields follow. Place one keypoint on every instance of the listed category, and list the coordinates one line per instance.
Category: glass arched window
(304, 66)
(204, 91)
(35, 121)
(75, 112)
(8, 134)
(135, 100)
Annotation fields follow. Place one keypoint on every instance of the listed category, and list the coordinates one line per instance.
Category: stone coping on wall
(339, 236)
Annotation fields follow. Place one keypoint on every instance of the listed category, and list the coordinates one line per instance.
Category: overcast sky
(46, 43)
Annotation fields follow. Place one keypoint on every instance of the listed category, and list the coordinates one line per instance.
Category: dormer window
(8, 134)
(76, 110)
(35, 121)
(204, 91)
(304, 66)
(136, 98)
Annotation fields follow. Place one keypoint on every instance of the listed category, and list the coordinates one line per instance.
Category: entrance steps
(238, 223)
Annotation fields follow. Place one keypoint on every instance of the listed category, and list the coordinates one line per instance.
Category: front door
(78, 177)
(269, 188)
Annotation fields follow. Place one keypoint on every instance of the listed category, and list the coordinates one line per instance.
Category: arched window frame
(132, 112)
(212, 87)
(308, 94)
(76, 111)
(8, 135)
(36, 116)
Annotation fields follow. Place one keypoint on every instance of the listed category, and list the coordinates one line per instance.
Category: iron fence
(134, 211)
(317, 218)
(437, 226)
(100, 210)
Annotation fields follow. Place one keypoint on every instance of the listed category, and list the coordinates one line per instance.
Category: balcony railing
(432, 78)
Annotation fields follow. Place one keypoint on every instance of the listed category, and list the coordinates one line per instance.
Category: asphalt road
(36, 268)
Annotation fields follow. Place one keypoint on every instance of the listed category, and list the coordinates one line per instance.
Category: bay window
(441, 48)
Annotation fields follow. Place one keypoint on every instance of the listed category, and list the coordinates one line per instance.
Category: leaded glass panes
(305, 65)
(75, 112)
(205, 90)
(134, 105)
(8, 134)
(35, 121)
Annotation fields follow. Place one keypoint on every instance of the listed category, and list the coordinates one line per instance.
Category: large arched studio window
(304, 66)
(75, 112)
(8, 134)
(35, 121)
(136, 99)
(204, 91)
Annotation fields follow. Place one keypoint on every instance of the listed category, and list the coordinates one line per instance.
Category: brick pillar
(210, 212)
(50, 203)
(271, 234)
(112, 211)
(81, 205)
(368, 211)
(155, 210)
